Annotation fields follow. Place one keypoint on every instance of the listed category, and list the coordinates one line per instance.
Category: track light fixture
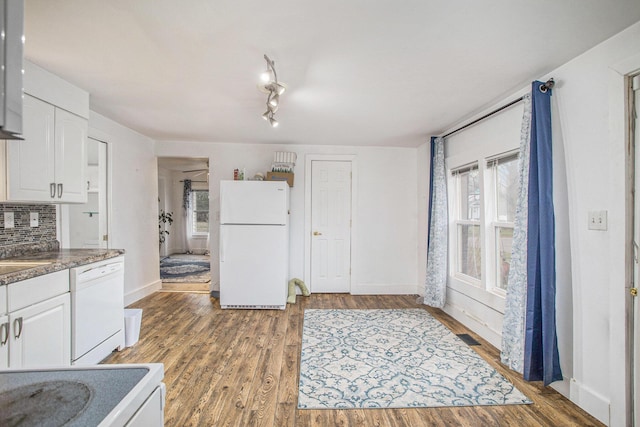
(273, 88)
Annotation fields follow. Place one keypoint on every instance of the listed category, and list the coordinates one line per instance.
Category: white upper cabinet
(49, 165)
(31, 162)
(70, 157)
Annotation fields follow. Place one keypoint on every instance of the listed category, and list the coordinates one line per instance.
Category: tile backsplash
(23, 233)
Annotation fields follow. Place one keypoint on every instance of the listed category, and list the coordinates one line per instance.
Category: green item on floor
(292, 290)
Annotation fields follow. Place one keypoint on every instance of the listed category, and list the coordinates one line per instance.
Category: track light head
(274, 99)
(266, 76)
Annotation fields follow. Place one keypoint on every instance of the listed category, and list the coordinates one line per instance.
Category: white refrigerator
(254, 244)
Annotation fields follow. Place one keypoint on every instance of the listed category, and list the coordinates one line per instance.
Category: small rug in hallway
(183, 268)
(392, 359)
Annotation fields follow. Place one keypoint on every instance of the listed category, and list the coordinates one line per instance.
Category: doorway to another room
(89, 222)
(183, 224)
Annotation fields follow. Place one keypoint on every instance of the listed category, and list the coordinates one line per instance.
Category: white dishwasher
(97, 310)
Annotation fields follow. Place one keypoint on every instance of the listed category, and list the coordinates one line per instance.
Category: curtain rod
(546, 86)
(191, 181)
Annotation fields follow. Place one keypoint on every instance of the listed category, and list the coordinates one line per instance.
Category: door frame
(309, 158)
(62, 210)
(621, 384)
(634, 304)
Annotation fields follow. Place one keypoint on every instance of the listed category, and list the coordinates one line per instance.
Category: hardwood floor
(186, 287)
(240, 368)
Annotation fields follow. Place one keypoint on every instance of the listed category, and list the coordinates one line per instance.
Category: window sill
(200, 236)
(483, 296)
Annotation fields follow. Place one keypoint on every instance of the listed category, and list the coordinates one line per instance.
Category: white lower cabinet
(4, 342)
(151, 413)
(36, 329)
(41, 334)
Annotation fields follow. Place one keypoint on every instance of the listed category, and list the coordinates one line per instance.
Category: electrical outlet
(9, 220)
(598, 220)
(33, 219)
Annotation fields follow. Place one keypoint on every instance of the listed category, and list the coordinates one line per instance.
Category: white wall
(589, 175)
(596, 181)
(387, 222)
(423, 154)
(134, 203)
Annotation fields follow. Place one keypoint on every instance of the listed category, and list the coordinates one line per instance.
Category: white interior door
(330, 226)
(635, 332)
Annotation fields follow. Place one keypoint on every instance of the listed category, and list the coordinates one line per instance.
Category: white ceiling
(375, 72)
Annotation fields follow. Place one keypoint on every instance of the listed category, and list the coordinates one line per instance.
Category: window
(483, 209)
(200, 212)
(504, 171)
(469, 253)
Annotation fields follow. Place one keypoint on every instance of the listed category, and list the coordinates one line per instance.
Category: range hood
(11, 53)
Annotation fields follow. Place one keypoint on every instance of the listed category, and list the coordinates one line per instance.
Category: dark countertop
(58, 260)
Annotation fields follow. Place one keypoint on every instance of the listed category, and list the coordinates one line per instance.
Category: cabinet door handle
(52, 189)
(59, 191)
(4, 333)
(17, 327)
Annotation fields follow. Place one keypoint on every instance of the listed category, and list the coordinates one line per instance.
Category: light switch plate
(9, 220)
(33, 219)
(598, 220)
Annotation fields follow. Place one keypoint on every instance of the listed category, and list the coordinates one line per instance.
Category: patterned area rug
(183, 268)
(392, 359)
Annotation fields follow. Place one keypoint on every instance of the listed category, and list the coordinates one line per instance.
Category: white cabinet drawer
(31, 291)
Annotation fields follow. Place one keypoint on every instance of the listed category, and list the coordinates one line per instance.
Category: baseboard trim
(475, 324)
(563, 387)
(383, 289)
(137, 294)
(590, 401)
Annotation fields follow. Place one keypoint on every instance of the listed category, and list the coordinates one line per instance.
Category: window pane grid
(504, 242)
(469, 260)
(469, 195)
(483, 219)
(506, 179)
(200, 212)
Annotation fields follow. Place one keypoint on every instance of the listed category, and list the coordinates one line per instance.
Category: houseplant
(163, 219)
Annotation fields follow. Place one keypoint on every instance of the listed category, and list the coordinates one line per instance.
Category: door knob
(317, 233)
